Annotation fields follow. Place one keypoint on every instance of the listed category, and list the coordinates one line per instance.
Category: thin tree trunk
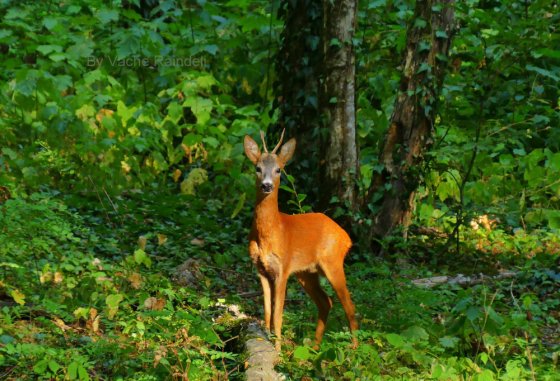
(340, 152)
(412, 123)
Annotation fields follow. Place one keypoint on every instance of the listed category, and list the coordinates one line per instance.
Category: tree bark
(316, 72)
(412, 123)
(339, 164)
(298, 66)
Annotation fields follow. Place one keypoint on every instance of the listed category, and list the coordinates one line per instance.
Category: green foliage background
(121, 128)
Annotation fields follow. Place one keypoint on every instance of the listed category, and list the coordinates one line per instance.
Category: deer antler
(264, 143)
(280, 142)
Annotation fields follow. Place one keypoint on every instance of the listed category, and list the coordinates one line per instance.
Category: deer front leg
(267, 289)
(279, 298)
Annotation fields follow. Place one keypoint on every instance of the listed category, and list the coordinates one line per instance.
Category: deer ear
(251, 149)
(287, 151)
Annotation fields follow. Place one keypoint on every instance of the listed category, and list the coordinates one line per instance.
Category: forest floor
(138, 287)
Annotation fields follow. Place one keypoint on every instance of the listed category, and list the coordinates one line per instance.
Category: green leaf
(415, 333)
(57, 57)
(553, 217)
(376, 4)
(201, 108)
(82, 373)
(302, 353)
(50, 23)
(175, 111)
(47, 49)
(239, 205)
(53, 366)
(113, 300)
(543, 72)
(107, 15)
(473, 313)
(41, 366)
(18, 296)
(485, 375)
(420, 23)
(141, 257)
(395, 340)
(211, 49)
(449, 341)
(335, 42)
(547, 52)
(80, 50)
(211, 141)
(73, 370)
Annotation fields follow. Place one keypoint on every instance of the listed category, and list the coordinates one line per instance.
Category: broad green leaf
(82, 373)
(41, 366)
(47, 49)
(80, 50)
(543, 72)
(415, 333)
(449, 341)
(141, 257)
(18, 296)
(201, 108)
(473, 313)
(53, 366)
(211, 49)
(5, 33)
(420, 23)
(547, 52)
(113, 300)
(395, 340)
(302, 353)
(239, 205)
(107, 15)
(73, 370)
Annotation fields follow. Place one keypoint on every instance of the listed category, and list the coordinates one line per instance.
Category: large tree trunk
(340, 153)
(298, 68)
(412, 123)
(315, 87)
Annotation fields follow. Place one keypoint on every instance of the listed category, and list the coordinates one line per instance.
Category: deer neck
(267, 216)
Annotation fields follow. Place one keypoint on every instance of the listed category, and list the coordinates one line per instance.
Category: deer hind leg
(335, 275)
(311, 285)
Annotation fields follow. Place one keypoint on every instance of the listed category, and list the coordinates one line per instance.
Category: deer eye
(277, 170)
(258, 169)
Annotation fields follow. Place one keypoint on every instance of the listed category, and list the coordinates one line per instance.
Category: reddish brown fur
(308, 245)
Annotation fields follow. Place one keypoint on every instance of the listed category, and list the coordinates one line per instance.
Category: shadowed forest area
(429, 130)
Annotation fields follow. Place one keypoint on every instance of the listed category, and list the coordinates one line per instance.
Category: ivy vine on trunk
(412, 123)
(316, 74)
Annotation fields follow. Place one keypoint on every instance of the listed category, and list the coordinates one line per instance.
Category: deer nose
(267, 187)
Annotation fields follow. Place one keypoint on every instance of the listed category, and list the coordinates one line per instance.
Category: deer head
(269, 165)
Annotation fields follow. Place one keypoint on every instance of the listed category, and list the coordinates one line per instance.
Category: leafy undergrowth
(87, 291)
(90, 290)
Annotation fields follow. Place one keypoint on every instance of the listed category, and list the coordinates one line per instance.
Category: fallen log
(462, 280)
(253, 342)
(261, 354)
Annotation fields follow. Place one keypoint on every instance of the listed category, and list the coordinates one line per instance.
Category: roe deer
(308, 245)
